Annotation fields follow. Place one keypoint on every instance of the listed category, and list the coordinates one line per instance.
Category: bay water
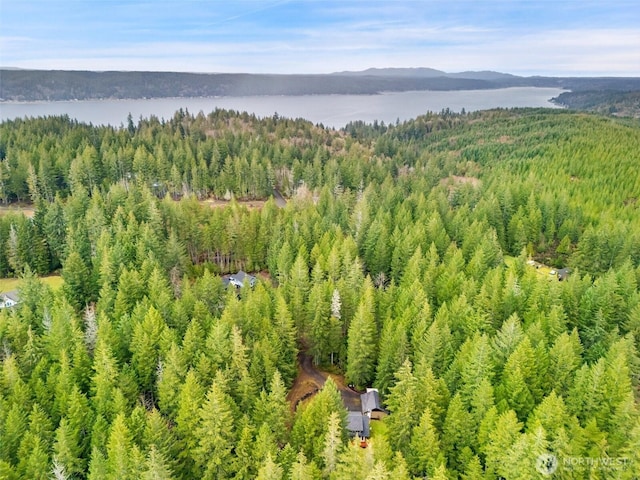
(330, 110)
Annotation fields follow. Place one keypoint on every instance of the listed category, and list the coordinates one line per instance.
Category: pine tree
(507, 339)
(34, 458)
(476, 369)
(425, 453)
(362, 344)
(564, 360)
(394, 348)
(302, 469)
(14, 428)
(285, 339)
(458, 433)
(146, 348)
(332, 443)
(170, 375)
(402, 404)
(80, 419)
(160, 437)
(122, 454)
(297, 291)
(473, 470)
(274, 409)
(319, 317)
(521, 461)
(631, 453)
(187, 420)
(98, 468)
(441, 473)
(502, 437)
(66, 450)
(216, 435)
(78, 283)
(269, 470)
(104, 381)
(156, 466)
(264, 446)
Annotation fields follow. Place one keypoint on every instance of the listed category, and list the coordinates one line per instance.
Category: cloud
(519, 37)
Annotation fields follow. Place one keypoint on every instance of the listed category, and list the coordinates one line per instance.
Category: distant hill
(40, 85)
(397, 72)
(617, 103)
(54, 85)
(428, 73)
(483, 75)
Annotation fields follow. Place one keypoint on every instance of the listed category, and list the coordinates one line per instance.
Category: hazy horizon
(5, 67)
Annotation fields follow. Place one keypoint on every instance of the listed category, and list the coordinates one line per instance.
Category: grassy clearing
(17, 208)
(541, 269)
(8, 284)
(251, 204)
(378, 429)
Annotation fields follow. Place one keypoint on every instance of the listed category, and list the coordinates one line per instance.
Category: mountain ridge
(60, 85)
(425, 72)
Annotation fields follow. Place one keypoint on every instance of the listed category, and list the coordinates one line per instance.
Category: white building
(9, 299)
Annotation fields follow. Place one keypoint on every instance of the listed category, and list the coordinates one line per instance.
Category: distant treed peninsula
(57, 85)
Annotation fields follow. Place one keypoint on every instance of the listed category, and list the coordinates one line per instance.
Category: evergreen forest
(420, 258)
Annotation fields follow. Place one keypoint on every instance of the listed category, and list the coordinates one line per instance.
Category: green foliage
(386, 265)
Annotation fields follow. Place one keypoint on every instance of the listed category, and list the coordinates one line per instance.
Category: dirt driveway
(310, 381)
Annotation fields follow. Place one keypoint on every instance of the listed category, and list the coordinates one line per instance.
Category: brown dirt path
(310, 381)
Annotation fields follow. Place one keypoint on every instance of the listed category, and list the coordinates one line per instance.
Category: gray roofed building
(371, 405)
(358, 424)
(9, 299)
(241, 279)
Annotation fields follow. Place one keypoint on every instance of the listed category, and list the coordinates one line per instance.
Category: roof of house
(358, 423)
(11, 295)
(370, 401)
(241, 275)
(238, 279)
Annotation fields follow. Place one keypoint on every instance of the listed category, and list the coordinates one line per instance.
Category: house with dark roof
(358, 424)
(371, 405)
(241, 279)
(563, 274)
(9, 299)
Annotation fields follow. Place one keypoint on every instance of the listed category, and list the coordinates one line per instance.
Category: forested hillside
(618, 103)
(56, 85)
(404, 260)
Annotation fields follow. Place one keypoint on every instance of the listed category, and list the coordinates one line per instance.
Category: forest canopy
(404, 259)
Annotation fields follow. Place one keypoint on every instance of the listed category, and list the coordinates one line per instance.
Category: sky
(543, 37)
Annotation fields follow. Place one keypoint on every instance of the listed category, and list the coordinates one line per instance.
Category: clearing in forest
(8, 284)
(25, 208)
(310, 381)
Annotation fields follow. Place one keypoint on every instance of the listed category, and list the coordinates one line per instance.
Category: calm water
(331, 110)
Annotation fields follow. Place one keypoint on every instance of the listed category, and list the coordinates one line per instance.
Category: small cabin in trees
(241, 279)
(371, 406)
(563, 274)
(9, 299)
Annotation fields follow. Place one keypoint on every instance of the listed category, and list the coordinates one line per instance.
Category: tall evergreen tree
(216, 435)
(362, 341)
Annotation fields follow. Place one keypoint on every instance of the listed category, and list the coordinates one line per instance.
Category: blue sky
(544, 37)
